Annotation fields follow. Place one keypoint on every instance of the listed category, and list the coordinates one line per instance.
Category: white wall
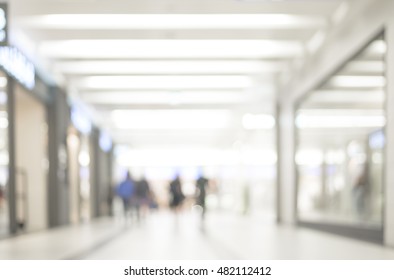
(73, 143)
(287, 190)
(365, 20)
(31, 156)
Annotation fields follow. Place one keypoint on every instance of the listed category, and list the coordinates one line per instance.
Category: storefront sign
(18, 66)
(377, 139)
(3, 24)
(80, 120)
(105, 141)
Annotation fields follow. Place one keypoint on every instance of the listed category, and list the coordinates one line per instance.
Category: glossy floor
(165, 235)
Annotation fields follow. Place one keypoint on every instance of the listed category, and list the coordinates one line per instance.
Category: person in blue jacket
(125, 191)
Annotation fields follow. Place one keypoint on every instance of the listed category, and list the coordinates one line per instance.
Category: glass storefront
(79, 165)
(339, 157)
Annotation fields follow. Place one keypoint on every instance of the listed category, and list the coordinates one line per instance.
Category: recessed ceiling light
(163, 82)
(167, 67)
(171, 119)
(172, 21)
(230, 49)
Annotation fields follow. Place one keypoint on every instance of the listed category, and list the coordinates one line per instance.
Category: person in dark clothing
(142, 196)
(360, 193)
(201, 191)
(176, 194)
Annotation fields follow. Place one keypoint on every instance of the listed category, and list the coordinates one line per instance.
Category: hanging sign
(80, 120)
(18, 66)
(105, 141)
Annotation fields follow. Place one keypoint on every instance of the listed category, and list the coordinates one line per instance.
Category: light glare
(358, 81)
(258, 121)
(192, 157)
(340, 121)
(168, 67)
(167, 98)
(159, 82)
(154, 49)
(173, 21)
(170, 119)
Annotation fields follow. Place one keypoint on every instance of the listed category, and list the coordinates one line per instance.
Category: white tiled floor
(167, 236)
(61, 243)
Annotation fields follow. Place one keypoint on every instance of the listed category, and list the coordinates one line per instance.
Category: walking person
(176, 194)
(142, 197)
(360, 194)
(201, 192)
(125, 191)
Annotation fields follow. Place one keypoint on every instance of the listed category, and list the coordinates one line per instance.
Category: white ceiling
(194, 56)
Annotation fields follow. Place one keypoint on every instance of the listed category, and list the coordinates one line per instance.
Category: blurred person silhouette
(125, 191)
(202, 184)
(360, 192)
(110, 200)
(153, 205)
(246, 199)
(142, 197)
(176, 194)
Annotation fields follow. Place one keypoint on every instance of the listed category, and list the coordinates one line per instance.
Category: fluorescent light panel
(377, 67)
(158, 97)
(159, 82)
(193, 157)
(354, 97)
(357, 81)
(171, 119)
(341, 112)
(173, 21)
(340, 121)
(91, 49)
(168, 67)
